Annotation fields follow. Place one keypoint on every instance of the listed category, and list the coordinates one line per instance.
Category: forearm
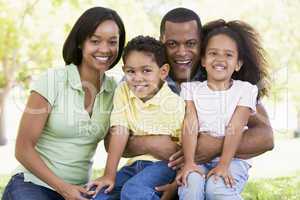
(32, 161)
(230, 146)
(119, 137)
(136, 146)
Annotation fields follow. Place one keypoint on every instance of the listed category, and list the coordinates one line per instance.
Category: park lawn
(283, 188)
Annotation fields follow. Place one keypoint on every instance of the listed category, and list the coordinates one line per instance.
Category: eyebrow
(143, 66)
(97, 36)
(227, 50)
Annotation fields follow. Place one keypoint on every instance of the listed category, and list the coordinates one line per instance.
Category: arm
(117, 142)
(256, 140)
(189, 143)
(31, 126)
(159, 146)
(233, 135)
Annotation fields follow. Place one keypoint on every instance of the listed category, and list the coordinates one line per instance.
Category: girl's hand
(72, 192)
(222, 171)
(181, 178)
(99, 183)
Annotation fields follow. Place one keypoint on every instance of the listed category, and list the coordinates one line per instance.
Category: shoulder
(111, 82)
(192, 85)
(245, 85)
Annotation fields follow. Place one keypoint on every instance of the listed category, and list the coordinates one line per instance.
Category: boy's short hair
(146, 44)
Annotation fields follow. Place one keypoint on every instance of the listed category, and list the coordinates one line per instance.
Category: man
(180, 31)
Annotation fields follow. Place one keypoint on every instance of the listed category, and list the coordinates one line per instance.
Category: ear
(164, 71)
(240, 64)
(162, 38)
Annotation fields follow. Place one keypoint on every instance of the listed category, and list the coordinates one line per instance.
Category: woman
(67, 112)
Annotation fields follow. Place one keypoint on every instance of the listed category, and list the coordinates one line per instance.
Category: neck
(219, 85)
(89, 76)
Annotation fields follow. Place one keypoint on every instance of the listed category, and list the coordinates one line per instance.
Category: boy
(143, 105)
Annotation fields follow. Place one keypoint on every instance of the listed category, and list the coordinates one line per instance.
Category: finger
(184, 178)
(109, 189)
(82, 189)
(227, 181)
(89, 185)
(216, 177)
(176, 162)
(161, 188)
(231, 181)
(209, 174)
(178, 180)
(176, 155)
(99, 187)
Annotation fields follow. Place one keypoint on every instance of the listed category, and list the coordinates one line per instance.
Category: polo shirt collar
(75, 82)
(173, 86)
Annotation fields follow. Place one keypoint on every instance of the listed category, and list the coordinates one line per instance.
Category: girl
(233, 64)
(68, 112)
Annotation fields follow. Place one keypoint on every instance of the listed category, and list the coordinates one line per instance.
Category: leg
(142, 186)
(123, 176)
(219, 191)
(195, 186)
(17, 189)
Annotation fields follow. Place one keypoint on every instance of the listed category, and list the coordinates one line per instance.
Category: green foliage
(284, 188)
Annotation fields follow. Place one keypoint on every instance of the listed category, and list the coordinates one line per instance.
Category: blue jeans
(17, 189)
(199, 188)
(138, 181)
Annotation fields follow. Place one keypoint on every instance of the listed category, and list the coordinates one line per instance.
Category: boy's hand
(102, 182)
(222, 171)
(186, 170)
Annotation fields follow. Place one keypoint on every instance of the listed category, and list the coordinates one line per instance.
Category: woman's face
(101, 49)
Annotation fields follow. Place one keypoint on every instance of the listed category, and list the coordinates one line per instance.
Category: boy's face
(143, 75)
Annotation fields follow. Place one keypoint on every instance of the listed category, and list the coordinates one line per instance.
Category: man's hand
(169, 191)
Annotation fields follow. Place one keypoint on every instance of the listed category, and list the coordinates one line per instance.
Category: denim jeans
(17, 189)
(138, 180)
(198, 188)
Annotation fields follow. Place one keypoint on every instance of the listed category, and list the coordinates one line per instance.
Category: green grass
(283, 188)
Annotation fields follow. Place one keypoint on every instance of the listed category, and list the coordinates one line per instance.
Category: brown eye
(171, 44)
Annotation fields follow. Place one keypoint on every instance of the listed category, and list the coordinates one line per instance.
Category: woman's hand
(72, 192)
(186, 170)
(102, 182)
(223, 172)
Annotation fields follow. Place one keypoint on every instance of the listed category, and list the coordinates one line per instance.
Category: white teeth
(139, 87)
(102, 58)
(182, 61)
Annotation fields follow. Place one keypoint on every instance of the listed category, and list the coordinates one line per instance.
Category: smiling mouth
(219, 67)
(102, 59)
(183, 63)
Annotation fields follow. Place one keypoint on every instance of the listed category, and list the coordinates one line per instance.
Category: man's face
(183, 48)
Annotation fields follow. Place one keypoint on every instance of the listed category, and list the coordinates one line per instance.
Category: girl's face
(221, 59)
(101, 49)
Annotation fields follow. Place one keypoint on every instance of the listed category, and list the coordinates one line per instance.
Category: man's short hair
(179, 15)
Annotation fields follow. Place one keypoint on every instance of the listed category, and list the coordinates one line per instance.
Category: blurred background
(32, 33)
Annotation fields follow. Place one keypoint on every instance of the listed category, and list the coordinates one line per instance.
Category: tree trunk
(3, 95)
(297, 131)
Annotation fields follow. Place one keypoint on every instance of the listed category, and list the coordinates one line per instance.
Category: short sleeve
(186, 91)
(118, 115)
(180, 117)
(249, 96)
(46, 86)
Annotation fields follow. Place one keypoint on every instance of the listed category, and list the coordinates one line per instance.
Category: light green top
(70, 136)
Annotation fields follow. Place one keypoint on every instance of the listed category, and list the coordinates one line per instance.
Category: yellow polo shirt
(163, 114)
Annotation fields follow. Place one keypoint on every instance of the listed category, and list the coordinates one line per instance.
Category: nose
(137, 77)
(181, 50)
(103, 47)
(220, 57)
